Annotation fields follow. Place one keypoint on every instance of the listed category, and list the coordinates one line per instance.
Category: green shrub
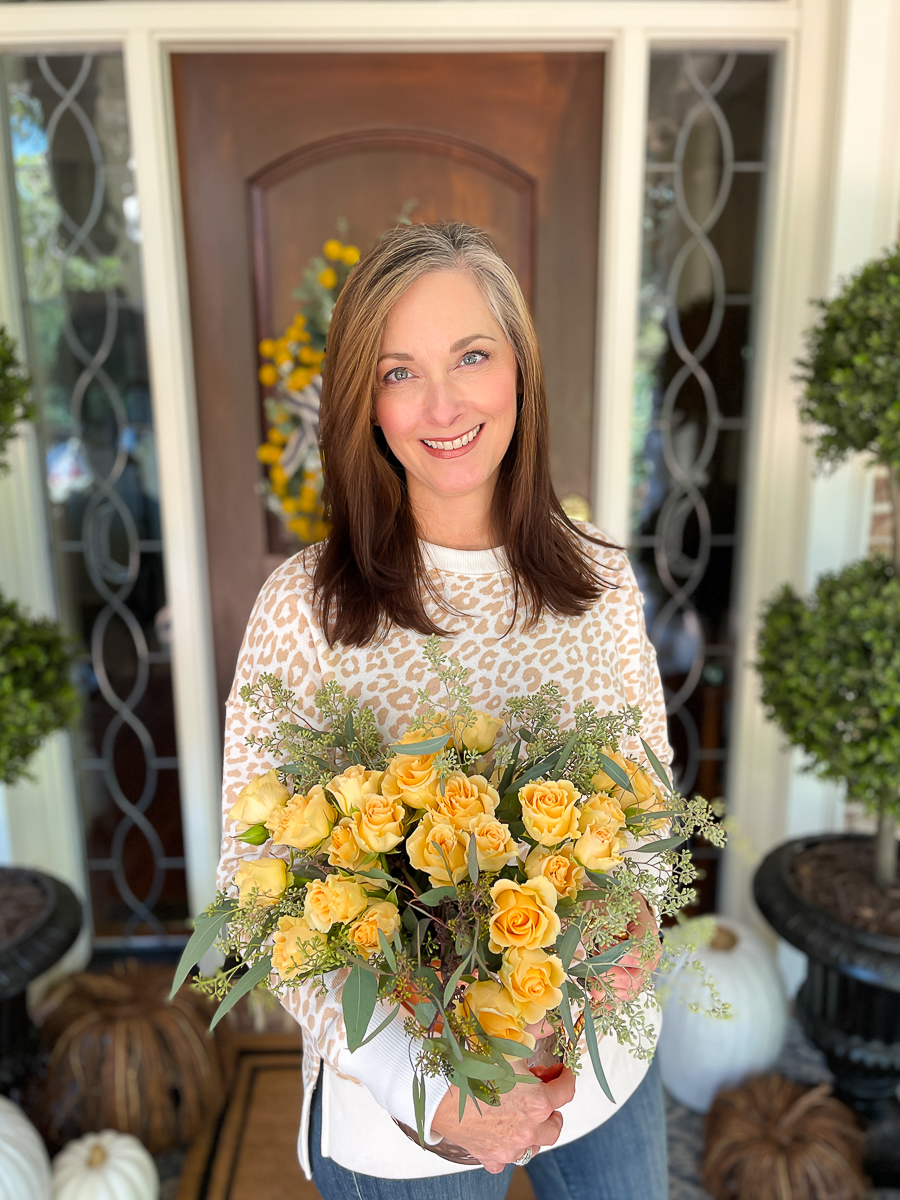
(37, 695)
(830, 671)
(851, 373)
(15, 403)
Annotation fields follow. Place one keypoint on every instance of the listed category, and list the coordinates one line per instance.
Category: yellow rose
(364, 933)
(464, 799)
(255, 803)
(533, 980)
(524, 914)
(496, 1012)
(333, 899)
(558, 866)
(493, 844)
(601, 810)
(289, 946)
(479, 732)
(304, 822)
(548, 810)
(646, 793)
(599, 848)
(350, 787)
(261, 881)
(411, 779)
(343, 848)
(378, 825)
(425, 844)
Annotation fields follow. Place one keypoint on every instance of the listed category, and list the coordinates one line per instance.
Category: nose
(442, 406)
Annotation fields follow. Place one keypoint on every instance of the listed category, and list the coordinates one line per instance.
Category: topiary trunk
(886, 837)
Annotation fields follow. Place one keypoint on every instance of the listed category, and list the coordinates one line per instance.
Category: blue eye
(474, 356)
(393, 375)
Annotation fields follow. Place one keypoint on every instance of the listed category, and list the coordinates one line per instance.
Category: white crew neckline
(464, 562)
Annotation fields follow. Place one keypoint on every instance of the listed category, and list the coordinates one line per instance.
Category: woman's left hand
(628, 978)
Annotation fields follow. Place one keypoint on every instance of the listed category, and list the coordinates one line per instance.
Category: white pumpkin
(698, 1054)
(105, 1166)
(24, 1161)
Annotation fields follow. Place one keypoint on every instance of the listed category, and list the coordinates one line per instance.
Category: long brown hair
(370, 573)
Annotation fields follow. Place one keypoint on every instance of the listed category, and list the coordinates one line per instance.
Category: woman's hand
(526, 1118)
(629, 976)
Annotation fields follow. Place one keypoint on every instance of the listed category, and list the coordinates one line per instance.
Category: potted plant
(39, 916)
(830, 671)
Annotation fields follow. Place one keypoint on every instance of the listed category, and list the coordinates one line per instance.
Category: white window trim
(799, 261)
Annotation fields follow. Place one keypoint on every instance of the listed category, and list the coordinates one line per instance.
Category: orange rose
(261, 881)
(291, 946)
(363, 933)
(533, 979)
(549, 810)
(558, 866)
(378, 824)
(496, 1012)
(464, 799)
(256, 802)
(435, 845)
(304, 822)
(524, 914)
(350, 787)
(599, 848)
(333, 900)
(493, 844)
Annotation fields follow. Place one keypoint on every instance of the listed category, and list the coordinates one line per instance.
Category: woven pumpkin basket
(777, 1139)
(120, 1055)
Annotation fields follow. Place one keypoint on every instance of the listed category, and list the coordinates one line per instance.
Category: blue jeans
(623, 1159)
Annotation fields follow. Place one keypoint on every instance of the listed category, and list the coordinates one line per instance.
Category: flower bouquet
(480, 888)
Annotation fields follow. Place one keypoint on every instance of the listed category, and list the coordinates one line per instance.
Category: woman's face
(445, 392)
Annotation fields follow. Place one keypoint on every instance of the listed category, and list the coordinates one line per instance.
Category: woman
(435, 439)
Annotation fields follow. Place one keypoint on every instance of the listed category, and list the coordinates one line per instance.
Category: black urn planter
(54, 926)
(849, 1004)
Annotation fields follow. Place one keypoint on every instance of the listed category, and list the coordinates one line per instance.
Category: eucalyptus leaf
(507, 1046)
(656, 847)
(615, 772)
(472, 858)
(387, 950)
(567, 944)
(358, 999)
(506, 778)
(428, 746)
(657, 766)
(247, 982)
(455, 978)
(436, 895)
(590, 1036)
(206, 930)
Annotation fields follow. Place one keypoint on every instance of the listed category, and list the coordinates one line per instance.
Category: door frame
(836, 146)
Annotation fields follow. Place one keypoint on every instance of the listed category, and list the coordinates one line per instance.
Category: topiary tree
(15, 401)
(830, 666)
(36, 691)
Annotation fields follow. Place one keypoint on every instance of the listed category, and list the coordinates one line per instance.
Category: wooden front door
(275, 148)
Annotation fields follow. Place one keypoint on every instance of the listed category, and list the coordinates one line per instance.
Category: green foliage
(852, 367)
(15, 404)
(36, 692)
(830, 670)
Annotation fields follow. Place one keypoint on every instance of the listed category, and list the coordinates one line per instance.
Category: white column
(177, 441)
(622, 203)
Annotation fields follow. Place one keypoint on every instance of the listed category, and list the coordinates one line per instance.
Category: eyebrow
(460, 345)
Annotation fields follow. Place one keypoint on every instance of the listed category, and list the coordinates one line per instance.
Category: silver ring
(526, 1157)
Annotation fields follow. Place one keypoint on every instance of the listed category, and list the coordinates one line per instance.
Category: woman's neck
(457, 522)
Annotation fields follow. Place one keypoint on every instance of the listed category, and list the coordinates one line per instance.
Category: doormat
(250, 1151)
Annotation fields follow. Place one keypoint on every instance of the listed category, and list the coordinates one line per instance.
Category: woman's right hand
(526, 1118)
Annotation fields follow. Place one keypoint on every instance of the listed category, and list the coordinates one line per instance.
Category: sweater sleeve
(279, 641)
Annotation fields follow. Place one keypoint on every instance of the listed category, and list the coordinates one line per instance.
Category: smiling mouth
(457, 443)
